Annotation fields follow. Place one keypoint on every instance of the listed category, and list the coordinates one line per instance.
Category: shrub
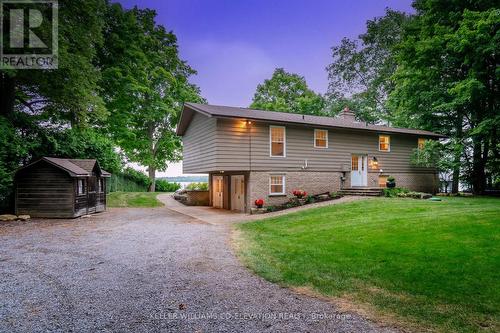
(394, 192)
(335, 195)
(310, 199)
(197, 186)
(391, 179)
(164, 186)
(271, 208)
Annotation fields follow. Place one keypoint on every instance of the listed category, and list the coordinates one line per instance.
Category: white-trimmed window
(80, 187)
(277, 141)
(421, 143)
(277, 185)
(384, 143)
(320, 138)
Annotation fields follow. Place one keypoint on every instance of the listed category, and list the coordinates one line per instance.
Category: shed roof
(74, 167)
(285, 117)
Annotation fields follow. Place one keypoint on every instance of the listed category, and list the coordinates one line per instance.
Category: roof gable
(284, 117)
(74, 167)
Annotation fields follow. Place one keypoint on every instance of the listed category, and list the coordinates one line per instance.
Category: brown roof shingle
(75, 167)
(284, 117)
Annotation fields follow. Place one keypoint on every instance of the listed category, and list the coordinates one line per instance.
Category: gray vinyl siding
(233, 149)
(199, 145)
(213, 145)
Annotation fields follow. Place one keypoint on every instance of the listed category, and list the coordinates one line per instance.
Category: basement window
(277, 185)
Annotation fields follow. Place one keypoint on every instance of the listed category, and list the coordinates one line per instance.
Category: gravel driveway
(144, 270)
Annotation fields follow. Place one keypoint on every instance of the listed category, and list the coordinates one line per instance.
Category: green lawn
(435, 265)
(133, 199)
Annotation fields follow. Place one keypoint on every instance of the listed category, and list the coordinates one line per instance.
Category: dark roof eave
(194, 107)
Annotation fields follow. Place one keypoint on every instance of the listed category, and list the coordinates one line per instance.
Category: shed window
(278, 141)
(320, 138)
(81, 187)
(384, 143)
(421, 143)
(101, 185)
(277, 185)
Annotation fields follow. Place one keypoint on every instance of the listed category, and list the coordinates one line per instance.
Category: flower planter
(390, 184)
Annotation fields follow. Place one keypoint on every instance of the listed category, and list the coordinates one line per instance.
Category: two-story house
(251, 154)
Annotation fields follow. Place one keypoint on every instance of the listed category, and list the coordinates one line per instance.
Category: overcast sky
(236, 44)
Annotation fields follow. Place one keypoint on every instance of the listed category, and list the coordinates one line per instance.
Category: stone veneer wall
(310, 181)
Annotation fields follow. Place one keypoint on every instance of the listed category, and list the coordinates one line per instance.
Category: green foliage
(202, 186)
(310, 199)
(360, 74)
(391, 179)
(145, 84)
(447, 80)
(162, 185)
(287, 92)
(434, 264)
(271, 209)
(394, 192)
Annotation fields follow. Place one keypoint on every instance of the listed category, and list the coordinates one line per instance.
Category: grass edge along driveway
(134, 199)
(431, 265)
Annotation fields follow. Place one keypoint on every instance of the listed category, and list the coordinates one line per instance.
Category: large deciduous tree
(447, 80)
(287, 92)
(145, 84)
(361, 70)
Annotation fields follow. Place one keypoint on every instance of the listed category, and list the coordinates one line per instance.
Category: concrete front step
(372, 192)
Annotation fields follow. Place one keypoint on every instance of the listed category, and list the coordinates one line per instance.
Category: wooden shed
(60, 188)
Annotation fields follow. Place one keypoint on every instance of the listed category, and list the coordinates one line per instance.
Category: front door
(238, 193)
(218, 191)
(359, 172)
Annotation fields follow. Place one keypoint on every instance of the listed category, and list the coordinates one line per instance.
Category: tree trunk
(478, 166)
(457, 155)
(152, 177)
(7, 95)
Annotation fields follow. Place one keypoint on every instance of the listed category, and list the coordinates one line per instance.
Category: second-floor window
(320, 138)
(277, 185)
(277, 139)
(384, 143)
(421, 143)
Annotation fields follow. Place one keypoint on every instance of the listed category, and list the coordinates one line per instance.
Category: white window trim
(271, 142)
(319, 129)
(378, 143)
(283, 179)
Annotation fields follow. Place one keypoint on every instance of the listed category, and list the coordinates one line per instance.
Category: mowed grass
(133, 199)
(429, 265)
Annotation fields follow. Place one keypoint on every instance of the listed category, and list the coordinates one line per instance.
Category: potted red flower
(259, 203)
(299, 193)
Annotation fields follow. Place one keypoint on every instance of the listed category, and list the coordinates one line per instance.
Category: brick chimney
(348, 115)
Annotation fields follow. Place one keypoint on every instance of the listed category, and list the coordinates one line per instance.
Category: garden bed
(302, 201)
